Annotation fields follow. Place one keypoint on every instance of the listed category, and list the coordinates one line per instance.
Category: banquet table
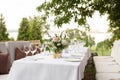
(44, 67)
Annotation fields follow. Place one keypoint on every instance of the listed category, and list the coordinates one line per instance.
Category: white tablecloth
(44, 67)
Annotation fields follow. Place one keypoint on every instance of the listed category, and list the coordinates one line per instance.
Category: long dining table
(44, 67)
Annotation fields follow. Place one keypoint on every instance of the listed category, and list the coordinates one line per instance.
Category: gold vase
(56, 55)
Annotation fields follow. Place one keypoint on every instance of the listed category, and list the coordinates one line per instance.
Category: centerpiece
(57, 44)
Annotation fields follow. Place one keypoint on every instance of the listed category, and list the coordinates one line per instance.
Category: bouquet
(57, 44)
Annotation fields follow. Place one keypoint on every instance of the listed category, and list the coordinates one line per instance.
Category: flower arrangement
(57, 44)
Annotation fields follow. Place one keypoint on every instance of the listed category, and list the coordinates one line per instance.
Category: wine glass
(33, 49)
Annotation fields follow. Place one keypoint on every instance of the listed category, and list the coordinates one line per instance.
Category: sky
(14, 10)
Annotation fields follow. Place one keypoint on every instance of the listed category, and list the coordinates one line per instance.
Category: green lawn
(101, 51)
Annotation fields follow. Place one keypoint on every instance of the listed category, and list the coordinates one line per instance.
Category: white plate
(72, 60)
(77, 55)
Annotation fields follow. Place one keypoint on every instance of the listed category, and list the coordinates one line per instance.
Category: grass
(101, 51)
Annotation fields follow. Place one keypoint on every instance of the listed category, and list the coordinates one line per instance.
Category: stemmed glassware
(33, 49)
(26, 50)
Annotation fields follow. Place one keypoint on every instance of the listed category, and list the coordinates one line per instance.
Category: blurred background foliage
(64, 11)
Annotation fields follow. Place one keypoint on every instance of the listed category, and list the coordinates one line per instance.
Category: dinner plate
(72, 60)
(77, 55)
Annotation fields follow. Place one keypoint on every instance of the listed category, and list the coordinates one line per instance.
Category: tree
(112, 8)
(79, 10)
(12, 39)
(33, 28)
(66, 10)
(23, 33)
(3, 31)
(38, 28)
(80, 36)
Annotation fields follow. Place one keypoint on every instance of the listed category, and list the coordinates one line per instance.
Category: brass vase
(57, 55)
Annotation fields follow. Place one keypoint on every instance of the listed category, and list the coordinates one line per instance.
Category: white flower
(64, 42)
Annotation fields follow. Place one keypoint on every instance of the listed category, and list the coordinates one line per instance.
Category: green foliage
(104, 47)
(33, 28)
(38, 28)
(3, 31)
(112, 8)
(12, 39)
(23, 33)
(79, 10)
(80, 36)
(66, 10)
